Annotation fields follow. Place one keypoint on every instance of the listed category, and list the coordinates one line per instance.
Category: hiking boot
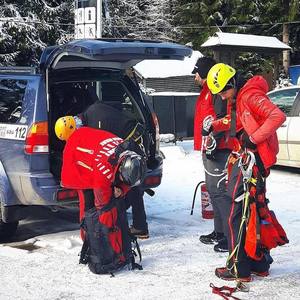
(225, 274)
(139, 233)
(212, 238)
(222, 245)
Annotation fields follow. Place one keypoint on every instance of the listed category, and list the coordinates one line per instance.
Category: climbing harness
(246, 161)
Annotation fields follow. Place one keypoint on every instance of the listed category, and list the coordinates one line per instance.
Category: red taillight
(37, 140)
(66, 194)
(152, 180)
(156, 124)
(155, 121)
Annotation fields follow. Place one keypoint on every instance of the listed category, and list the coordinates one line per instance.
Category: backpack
(108, 245)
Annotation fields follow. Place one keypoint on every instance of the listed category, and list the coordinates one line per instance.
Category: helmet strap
(233, 118)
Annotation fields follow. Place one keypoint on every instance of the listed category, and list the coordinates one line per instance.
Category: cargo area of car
(72, 92)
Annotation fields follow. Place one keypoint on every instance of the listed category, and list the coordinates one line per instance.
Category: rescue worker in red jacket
(216, 149)
(97, 159)
(101, 161)
(103, 116)
(255, 120)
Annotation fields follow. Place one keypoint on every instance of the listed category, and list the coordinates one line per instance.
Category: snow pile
(175, 263)
(156, 68)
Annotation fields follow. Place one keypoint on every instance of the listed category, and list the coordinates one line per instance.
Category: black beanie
(203, 66)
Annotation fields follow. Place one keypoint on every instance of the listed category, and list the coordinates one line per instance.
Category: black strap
(137, 247)
(134, 265)
(84, 253)
(233, 118)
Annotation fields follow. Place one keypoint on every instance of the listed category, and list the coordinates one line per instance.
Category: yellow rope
(245, 216)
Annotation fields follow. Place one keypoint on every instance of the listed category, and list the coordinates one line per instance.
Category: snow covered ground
(176, 265)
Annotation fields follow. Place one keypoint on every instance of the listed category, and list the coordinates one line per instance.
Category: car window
(11, 98)
(115, 94)
(296, 106)
(284, 99)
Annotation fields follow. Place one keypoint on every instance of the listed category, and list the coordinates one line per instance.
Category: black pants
(216, 187)
(234, 210)
(134, 198)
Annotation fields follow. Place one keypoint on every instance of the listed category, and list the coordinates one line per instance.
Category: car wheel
(7, 230)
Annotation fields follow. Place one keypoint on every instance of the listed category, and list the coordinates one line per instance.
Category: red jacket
(204, 107)
(260, 118)
(86, 161)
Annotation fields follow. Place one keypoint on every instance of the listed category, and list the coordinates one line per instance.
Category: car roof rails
(18, 70)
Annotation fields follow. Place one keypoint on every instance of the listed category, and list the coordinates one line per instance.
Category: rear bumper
(154, 176)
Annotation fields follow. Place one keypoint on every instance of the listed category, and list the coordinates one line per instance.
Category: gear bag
(107, 245)
(263, 229)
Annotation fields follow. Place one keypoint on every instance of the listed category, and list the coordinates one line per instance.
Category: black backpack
(108, 245)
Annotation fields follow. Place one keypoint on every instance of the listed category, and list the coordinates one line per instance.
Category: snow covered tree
(200, 19)
(141, 19)
(28, 26)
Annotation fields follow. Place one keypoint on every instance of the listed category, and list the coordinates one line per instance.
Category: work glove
(246, 142)
(206, 131)
(207, 126)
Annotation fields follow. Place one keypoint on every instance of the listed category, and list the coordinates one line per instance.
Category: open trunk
(71, 92)
(83, 72)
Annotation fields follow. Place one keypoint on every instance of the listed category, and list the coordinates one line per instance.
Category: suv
(69, 79)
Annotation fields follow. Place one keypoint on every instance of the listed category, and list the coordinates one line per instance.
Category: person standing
(215, 150)
(255, 119)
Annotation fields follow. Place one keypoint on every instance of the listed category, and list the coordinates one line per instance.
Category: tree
(141, 19)
(200, 19)
(28, 26)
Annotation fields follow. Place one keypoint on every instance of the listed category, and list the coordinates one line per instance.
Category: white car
(288, 100)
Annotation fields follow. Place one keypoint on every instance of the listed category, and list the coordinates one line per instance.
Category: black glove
(211, 148)
(210, 154)
(206, 131)
(246, 143)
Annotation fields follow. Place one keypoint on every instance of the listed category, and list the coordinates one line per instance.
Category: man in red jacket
(216, 149)
(255, 119)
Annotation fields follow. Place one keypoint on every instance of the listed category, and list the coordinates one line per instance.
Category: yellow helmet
(218, 76)
(64, 127)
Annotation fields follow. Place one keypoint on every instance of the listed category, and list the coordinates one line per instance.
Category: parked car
(288, 100)
(68, 79)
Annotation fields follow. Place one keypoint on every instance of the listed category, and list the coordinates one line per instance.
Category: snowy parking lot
(43, 261)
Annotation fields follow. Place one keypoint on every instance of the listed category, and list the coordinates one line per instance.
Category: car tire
(7, 230)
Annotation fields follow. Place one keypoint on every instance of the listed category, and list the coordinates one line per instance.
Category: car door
(294, 133)
(284, 99)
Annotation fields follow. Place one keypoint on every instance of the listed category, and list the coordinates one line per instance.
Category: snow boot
(212, 238)
(222, 245)
(139, 233)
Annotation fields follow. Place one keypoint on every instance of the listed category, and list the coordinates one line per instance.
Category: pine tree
(142, 19)
(28, 26)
